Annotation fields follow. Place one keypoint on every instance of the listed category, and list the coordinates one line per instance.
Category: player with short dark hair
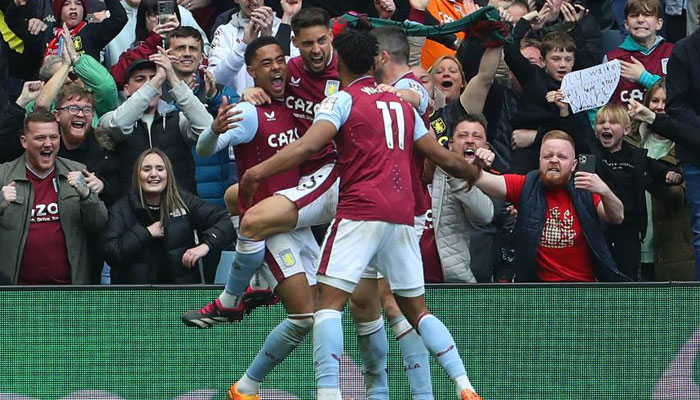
(258, 134)
(375, 161)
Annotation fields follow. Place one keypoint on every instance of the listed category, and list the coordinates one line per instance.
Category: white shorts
(350, 246)
(316, 196)
(288, 254)
(419, 221)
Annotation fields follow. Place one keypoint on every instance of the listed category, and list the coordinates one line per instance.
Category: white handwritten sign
(591, 87)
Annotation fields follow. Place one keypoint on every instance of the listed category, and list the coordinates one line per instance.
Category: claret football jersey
(376, 131)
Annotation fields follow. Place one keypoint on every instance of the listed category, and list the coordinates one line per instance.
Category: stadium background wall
(519, 342)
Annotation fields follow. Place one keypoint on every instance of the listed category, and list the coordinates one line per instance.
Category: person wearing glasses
(48, 212)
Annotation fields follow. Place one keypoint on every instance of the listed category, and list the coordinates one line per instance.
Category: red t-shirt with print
(45, 258)
(563, 254)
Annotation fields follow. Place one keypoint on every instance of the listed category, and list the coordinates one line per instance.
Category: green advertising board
(518, 342)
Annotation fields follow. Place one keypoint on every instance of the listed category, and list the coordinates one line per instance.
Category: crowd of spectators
(102, 103)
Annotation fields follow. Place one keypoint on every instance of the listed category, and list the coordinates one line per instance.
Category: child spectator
(667, 248)
(534, 112)
(628, 171)
(643, 54)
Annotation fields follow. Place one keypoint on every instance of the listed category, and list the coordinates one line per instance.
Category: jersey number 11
(385, 108)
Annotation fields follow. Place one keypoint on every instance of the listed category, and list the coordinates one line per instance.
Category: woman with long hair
(667, 249)
(152, 233)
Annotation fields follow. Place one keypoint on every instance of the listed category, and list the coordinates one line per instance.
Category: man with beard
(311, 77)
(560, 238)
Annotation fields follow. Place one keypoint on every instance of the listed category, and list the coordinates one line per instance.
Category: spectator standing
(643, 54)
(559, 234)
(226, 60)
(667, 248)
(456, 204)
(128, 38)
(628, 172)
(444, 11)
(215, 173)
(683, 84)
(86, 37)
(47, 211)
(21, 62)
(143, 121)
(150, 235)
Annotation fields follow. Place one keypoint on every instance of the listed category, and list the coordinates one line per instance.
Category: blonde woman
(150, 234)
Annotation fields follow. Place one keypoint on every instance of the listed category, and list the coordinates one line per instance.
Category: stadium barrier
(518, 342)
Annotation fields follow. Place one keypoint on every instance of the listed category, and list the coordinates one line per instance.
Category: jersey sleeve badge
(332, 87)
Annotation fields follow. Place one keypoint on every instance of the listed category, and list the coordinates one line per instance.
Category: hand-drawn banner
(591, 87)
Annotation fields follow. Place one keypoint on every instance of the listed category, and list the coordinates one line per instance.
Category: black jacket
(137, 258)
(647, 171)
(11, 120)
(100, 161)
(683, 86)
(90, 40)
(164, 134)
(25, 65)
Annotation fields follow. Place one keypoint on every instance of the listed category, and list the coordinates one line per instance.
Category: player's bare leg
(275, 214)
(296, 296)
(231, 199)
(371, 337)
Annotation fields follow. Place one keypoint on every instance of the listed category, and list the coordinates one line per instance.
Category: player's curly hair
(356, 50)
(256, 44)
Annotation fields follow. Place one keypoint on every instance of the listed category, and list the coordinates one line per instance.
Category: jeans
(691, 175)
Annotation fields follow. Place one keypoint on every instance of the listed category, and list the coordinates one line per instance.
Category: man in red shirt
(47, 211)
(559, 234)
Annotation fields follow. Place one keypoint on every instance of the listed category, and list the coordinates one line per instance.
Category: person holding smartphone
(559, 230)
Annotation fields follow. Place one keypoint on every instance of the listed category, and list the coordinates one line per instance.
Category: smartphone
(586, 163)
(60, 45)
(166, 8)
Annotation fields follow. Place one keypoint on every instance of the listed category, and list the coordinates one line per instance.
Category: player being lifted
(375, 177)
(311, 77)
(257, 133)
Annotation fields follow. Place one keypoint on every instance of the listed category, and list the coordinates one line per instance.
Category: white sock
(328, 394)
(247, 385)
(462, 383)
(228, 300)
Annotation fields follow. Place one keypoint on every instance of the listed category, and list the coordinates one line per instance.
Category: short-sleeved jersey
(275, 127)
(376, 131)
(420, 189)
(304, 92)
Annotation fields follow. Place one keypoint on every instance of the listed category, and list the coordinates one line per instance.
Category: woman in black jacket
(150, 235)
